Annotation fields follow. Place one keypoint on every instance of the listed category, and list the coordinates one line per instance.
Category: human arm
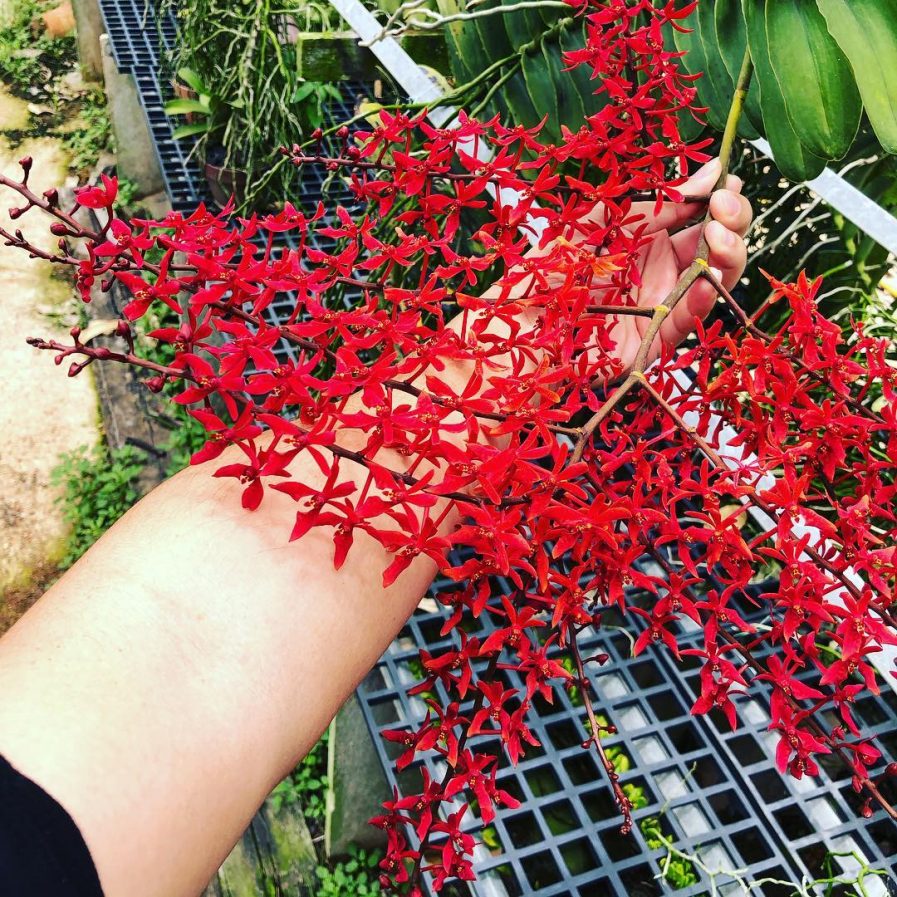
(178, 671)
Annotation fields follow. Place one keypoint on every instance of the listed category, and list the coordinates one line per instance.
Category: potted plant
(181, 87)
(206, 116)
(279, 67)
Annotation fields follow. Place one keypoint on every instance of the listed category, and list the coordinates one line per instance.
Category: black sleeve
(42, 852)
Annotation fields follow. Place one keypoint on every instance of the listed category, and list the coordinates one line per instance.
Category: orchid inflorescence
(514, 425)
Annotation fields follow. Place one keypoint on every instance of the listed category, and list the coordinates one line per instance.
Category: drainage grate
(714, 792)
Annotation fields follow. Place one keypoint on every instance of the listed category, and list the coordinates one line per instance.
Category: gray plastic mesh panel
(717, 792)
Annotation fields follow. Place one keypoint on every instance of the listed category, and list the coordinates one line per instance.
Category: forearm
(192, 657)
(179, 670)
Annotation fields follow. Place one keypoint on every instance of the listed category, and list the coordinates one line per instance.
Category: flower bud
(342, 133)
(75, 332)
(52, 197)
(154, 384)
(58, 229)
(317, 134)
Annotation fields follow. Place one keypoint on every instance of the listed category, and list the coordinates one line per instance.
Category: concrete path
(42, 413)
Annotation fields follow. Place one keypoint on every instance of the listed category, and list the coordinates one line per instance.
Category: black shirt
(42, 852)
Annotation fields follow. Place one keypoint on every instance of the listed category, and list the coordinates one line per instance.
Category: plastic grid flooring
(717, 792)
(139, 42)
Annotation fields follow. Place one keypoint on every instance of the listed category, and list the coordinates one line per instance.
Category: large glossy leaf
(181, 106)
(716, 72)
(543, 91)
(573, 38)
(465, 53)
(191, 130)
(710, 92)
(866, 31)
(814, 76)
(803, 98)
(793, 159)
(731, 36)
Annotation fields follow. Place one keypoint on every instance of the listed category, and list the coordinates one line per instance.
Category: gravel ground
(43, 413)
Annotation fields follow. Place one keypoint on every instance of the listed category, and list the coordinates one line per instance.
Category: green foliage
(866, 30)
(310, 98)
(678, 871)
(92, 136)
(356, 877)
(512, 63)
(818, 65)
(28, 56)
(208, 112)
(127, 191)
(306, 785)
(821, 97)
(99, 485)
(489, 837)
(249, 65)
(794, 160)
(187, 437)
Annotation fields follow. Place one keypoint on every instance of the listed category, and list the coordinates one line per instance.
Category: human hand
(665, 257)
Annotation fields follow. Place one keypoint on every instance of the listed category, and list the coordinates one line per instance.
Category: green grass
(27, 53)
(98, 485)
(92, 136)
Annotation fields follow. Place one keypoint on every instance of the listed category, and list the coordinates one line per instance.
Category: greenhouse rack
(139, 42)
